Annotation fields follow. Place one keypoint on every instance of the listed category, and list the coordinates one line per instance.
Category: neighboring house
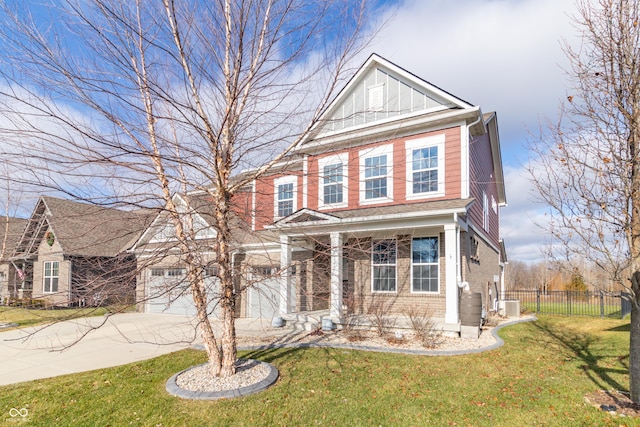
(74, 254)
(392, 201)
(10, 232)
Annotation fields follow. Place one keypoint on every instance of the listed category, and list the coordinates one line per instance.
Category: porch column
(336, 276)
(451, 268)
(285, 276)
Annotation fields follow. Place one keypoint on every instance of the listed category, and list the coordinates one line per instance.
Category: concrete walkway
(100, 342)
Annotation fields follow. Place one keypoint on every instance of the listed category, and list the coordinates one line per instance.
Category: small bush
(382, 323)
(424, 328)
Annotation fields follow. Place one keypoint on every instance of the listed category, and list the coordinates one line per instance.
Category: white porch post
(285, 276)
(336, 276)
(451, 263)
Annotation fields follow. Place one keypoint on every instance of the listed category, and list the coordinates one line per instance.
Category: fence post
(537, 300)
(601, 303)
(568, 293)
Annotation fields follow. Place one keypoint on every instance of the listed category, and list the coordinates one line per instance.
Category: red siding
(265, 186)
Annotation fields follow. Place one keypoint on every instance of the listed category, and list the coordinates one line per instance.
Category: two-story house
(392, 200)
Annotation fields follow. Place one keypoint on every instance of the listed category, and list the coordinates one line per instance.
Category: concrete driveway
(90, 343)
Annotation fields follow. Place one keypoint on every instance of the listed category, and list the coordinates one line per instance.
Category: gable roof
(162, 229)
(10, 232)
(379, 92)
(81, 229)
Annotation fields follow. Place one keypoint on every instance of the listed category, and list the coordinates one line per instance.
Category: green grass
(539, 378)
(31, 317)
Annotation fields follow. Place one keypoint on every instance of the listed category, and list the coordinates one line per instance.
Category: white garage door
(169, 292)
(263, 295)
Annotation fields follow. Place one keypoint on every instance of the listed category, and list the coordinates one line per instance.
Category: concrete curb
(174, 390)
(499, 343)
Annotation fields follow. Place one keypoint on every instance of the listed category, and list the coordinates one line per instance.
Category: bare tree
(588, 164)
(124, 102)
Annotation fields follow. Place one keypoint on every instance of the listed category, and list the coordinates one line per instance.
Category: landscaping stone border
(499, 343)
(174, 390)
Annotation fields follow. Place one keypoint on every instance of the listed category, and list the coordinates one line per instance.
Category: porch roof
(308, 219)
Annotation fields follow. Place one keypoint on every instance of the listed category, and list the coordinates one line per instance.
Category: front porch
(337, 275)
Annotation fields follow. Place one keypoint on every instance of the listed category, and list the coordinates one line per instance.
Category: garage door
(263, 295)
(169, 292)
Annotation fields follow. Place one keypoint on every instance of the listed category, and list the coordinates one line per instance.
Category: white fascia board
(419, 82)
(380, 228)
(494, 140)
(395, 129)
(465, 173)
(376, 222)
(144, 235)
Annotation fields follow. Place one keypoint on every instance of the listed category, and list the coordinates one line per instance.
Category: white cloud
(504, 56)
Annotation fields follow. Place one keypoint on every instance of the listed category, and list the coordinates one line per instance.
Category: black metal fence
(573, 303)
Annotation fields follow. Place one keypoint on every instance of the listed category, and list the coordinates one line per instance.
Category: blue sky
(504, 56)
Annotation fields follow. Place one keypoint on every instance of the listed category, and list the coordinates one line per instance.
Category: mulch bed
(613, 401)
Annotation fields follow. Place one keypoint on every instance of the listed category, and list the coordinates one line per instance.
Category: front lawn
(539, 378)
(31, 317)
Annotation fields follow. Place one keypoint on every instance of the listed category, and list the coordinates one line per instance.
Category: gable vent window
(376, 98)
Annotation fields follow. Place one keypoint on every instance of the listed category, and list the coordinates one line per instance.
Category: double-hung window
(51, 276)
(425, 265)
(333, 181)
(383, 265)
(285, 196)
(425, 167)
(376, 172)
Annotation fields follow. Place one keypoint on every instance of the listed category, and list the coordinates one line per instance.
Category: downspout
(458, 263)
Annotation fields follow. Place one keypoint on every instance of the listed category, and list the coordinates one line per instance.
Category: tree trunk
(206, 331)
(634, 341)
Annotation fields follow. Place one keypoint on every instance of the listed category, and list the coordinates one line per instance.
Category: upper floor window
(425, 167)
(333, 181)
(285, 192)
(376, 173)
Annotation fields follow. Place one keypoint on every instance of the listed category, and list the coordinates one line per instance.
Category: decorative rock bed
(252, 376)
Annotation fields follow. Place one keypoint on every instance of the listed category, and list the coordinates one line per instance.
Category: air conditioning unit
(511, 308)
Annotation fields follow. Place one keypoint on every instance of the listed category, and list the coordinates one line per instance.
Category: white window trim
(437, 263)
(415, 144)
(395, 264)
(375, 152)
(485, 212)
(290, 179)
(331, 160)
(45, 277)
